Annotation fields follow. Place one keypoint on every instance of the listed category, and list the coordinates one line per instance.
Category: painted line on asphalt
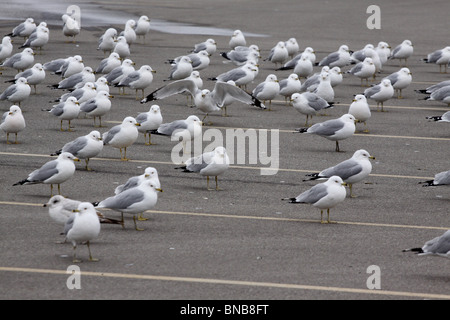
(289, 286)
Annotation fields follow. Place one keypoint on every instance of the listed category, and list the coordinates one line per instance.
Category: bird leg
(74, 259)
(217, 184)
(90, 255)
(87, 163)
(328, 213)
(321, 216)
(7, 138)
(337, 147)
(135, 225)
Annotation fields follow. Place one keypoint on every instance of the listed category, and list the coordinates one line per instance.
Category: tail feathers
(150, 97)
(417, 250)
(423, 91)
(213, 79)
(258, 103)
(434, 118)
(95, 204)
(224, 54)
(22, 182)
(330, 105)
(57, 153)
(301, 130)
(10, 81)
(428, 183)
(284, 68)
(314, 176)
(291, 200)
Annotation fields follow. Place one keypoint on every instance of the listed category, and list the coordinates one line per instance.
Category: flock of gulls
(307, 92)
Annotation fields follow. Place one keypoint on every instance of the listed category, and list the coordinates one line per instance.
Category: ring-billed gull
(53, 172)
(400, 80)
(17, 92)
(205, 100)
(278, 54)
(151, 174)
(324, 89)
(360, 109)
(441, 95)
(292, 47)
(122, 48)
(97, 106)
(334, 129)
(309, 104)
(439, 246)
(440, 57)
(208, 164)
(403, 51)
(106, 41)
(82, 94)
(200, 60)
(443, 118)
(83, 226)
(326, 195)
(76, 80)
(311, 83)
(120, 72)
(101, 84)
(434, 87)
(34, 75)
(359, 55)
(109, 64)
(340, 58)
(71, 28)
(237, 39)
(180, 70)
(380, 92)
(241, 76)
(6, 48)
(440, 179)
(84, 147)
(384, 51)
(209, 45)
(21, 60)
(195, 76)
(267, 90)
(138, 80)
(364, 70)
(304, 67)
(289, 86)
(149, 121)
(122, 136)
(352, 170)
(71, 66)
(240, 55)
(12, 122)
(128, 32)
(134, 201)
(66, 110)
(37, 39)
(308, 52)
(142, 27)
(24, 29)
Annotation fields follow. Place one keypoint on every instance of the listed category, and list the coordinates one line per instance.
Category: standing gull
(440, 57)
(439, 246)
(6, 48)
(53, 172)
(400, 80)
(352, 170)
(364, 70)
(237, 39)
(108, 64)
(278, 54)
(71, 28)
(138, 80)
(142, 27)
(149, 121)
(84, 147)
(106, 41)
(76, 80)
(129, 33)
(324, 89)
(267, 90)
(182, 69)
(12, 122)
(360, 109)
(209, 45)
(118, 73)
(122, 47)
(292, 47)
(380, 92)
(83, 226)
(340, 58)
(241, 76)
(71, 65)
(309, 104)
(122, 136)
(403, 51)
(38, 38)
(208, 164)
(289, 86)
(97, 106)
(66, 110)
(17, 92)
(326, 195)
(441, 95)
(24, 29)
(83, 94)
(21, 60)
(334, 130)
(34, 75)
(304, 67)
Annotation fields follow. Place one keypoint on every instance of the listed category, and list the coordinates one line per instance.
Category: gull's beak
(159, 189)
(146, 175)
(154, 71)
(138, 124)
(10, 113)
(76, 159)
(111, 96)
(75, 210)
(100, 139)
(371, 157)
(344, 184)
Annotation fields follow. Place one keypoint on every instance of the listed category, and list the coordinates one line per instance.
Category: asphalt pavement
(241, 242)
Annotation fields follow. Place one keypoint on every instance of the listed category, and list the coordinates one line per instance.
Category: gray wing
(45, 172)
(5, 114)
(312, 195)
(123, 200)
(142, 117)
(316, 102)
(311, 81)
(291, 63)
(69, 224)
(24, 74)
(102, 65)
(54, 65)
(356, 68)
(441, 93)
(195, 60)
(393, 78)
(89, 105)
(32, 37)
(58, 109)
(131, 183)
(169, 128)
(71, 81)
(359, 55)
(19, 29)
(109, 135)
(369, 92)
(327, 128)
(435, 56)
(114, 74)
(439, 244)
(283, 84)
(222, 90)
(175, 87)
(9, 91)
(396, 50)
(75, 146)
(345, 170)
(259, 88)
(198, 163)
(233, 75)
(133, 76)
(199, 47)
(332, 57)
(442, 178)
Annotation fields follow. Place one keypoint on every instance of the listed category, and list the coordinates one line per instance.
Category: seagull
(72, 65)
(122, 48)
(97, 106)
(84, 147)
(101, 84)
(182, 69)
(24, 29)
(17, 92)
(440, 179)
(129, 33)
(200, 60)
(241, 76)
(334, 129)
(12, 122)
(384, 51)
(442, 95)
(76, 80)
(308, 53)
(304, 67)
(444, 118)
(138, 80)
(134, 201)
(34, 75)
(122, 136)
(340, 58)
(440, 57)
(108, 64)
(106, 42)
(208, 164)
(360, 109)
(83, 226)
(38, 38)
(439, 246)
(309, 104)
(400, 80)
(292, 47)
(325, 195)
(364, 70)
(278, 54)
(267, 90)
(352, 170)
(21, 60)
(205, 100)
(71, 28)
(53, 172)
(237, 39)
(403, 51)
(311, 83)
(82, 94)
(324, 89)
(6, 48)
(209, 45)
(289, 86)
(120, 72)
(380, 92)
(142, 27)
(149, 121)
(66, 110)
(434, 87)
(240, 55)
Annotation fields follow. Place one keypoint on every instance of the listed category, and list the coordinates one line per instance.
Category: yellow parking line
(290, 286)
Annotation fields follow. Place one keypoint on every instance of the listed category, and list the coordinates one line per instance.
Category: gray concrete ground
(242, 242)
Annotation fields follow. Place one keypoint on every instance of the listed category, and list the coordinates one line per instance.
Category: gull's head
(407, 43)
(130, 121)
(406, 71)
(344, 48)
(14, 109)
(193, 119)
(348, 118)
(386, 83)
(368, 60)
(85, 207)
(295, 97)
(272, 78)
(294, 77)
(150, 172)
(336, 180)
(155, 108)
(360, 97)
(68, 156)
(95, 135)
(54, 201)
(362, 154)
